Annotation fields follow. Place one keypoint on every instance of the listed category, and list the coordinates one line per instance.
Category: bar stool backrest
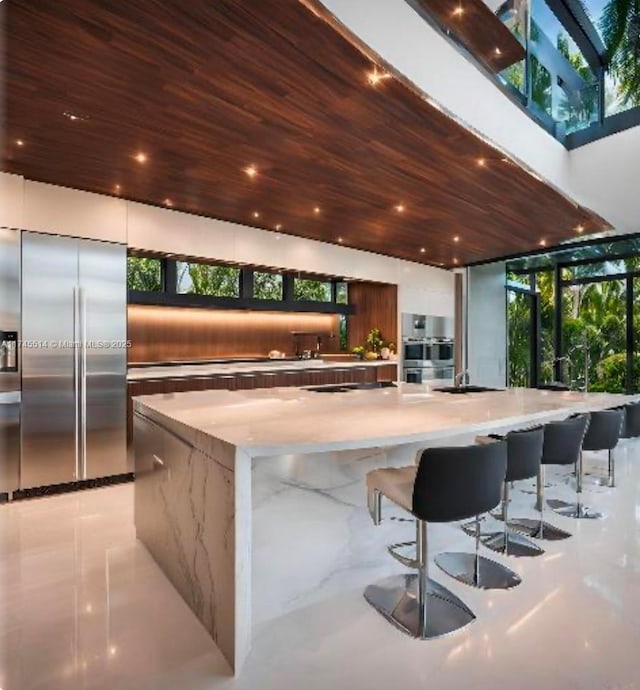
(631, 424)
(524, 453)
(563, 440)
(604, 430)
(459, 482)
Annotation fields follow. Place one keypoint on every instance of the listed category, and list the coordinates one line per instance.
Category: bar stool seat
(394, 483)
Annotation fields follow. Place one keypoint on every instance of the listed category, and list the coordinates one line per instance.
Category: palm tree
(620, 26)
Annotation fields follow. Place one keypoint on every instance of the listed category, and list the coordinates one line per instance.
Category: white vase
(385, 352)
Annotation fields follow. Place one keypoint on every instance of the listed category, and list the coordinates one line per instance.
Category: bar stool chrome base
(477, 571)
(396, 598)
(574, 510)
(538, 529)
(511, 544)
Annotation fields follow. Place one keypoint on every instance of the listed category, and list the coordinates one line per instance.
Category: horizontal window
(306, 290)
(144, 274)
(205, 279)
(267, 285)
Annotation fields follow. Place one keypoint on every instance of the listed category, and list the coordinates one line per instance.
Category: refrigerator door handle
(76, 379)
(83, 379)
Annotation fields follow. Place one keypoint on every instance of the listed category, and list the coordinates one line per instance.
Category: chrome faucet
(460, 377)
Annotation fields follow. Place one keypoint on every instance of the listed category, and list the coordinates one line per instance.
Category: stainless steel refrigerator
(9, 360)
(74, 330)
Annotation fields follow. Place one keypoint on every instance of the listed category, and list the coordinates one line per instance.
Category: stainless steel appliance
(9, 361)
(427, 348)
(431, 373)
(417, 326)
(427, 352)
(73, 424)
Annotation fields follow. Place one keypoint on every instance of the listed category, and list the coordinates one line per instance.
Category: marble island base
(247, 536)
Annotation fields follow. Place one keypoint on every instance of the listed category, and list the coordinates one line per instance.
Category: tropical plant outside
(267, 285)
(620, 27)
(206, 279)
(144, 274)
(311, 290)
(594, 329)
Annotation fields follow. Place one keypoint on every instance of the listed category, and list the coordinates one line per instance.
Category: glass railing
(550, 74)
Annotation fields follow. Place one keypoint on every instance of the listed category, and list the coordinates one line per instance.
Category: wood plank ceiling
(478, 28)
(207, 89)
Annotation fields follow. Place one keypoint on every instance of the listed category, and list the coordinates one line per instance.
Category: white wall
(58, 210)
(487, 325)
(607, 172)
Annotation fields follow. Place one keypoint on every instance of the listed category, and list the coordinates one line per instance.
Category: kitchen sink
(461, 390)
(346, 387)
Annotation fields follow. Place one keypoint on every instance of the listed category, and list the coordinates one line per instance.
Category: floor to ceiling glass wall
(582, 308)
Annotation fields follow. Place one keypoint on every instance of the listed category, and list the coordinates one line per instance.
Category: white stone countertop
(178, 371)
(278, 421)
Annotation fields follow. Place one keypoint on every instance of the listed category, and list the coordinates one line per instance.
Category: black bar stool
(449, 484)
(603, 433)
(524, 454)
(631, 424)
(562, 446)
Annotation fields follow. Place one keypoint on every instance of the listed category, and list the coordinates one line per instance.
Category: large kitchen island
(253, 502)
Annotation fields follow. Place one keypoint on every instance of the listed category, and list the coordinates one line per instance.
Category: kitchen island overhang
(195, 451)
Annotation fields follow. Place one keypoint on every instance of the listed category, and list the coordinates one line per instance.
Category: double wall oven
(427, 348)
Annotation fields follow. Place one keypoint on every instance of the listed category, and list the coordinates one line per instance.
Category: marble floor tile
(84, 607)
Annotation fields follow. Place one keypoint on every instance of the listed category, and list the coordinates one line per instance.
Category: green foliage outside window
(342, 293)
(205, 279)
(612, 374)
(343, 334)
(594, 323)
(144, 274)
(267, 285)
(311, 290)
(620, 26)
(540, 85)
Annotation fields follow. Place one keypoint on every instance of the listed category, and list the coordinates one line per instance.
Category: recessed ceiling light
(74, 117)
(482, 162)
(374, 77)
(316, 210)
(543, 243)
(498, 51)
(19, 142)
(458, 11)
(141, 157)
(400, 208)
(168, 202)
(255, 214)
(117, 189)
(340, 240)
(456, 238)
(251, 170)
(580, 229)
(422, 250)
(455, 261)
(278, 226)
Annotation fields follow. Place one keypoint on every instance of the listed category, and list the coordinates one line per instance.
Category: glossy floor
(82, 605)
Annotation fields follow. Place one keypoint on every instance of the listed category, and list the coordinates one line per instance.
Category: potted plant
(375, 343)
(358, 352)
